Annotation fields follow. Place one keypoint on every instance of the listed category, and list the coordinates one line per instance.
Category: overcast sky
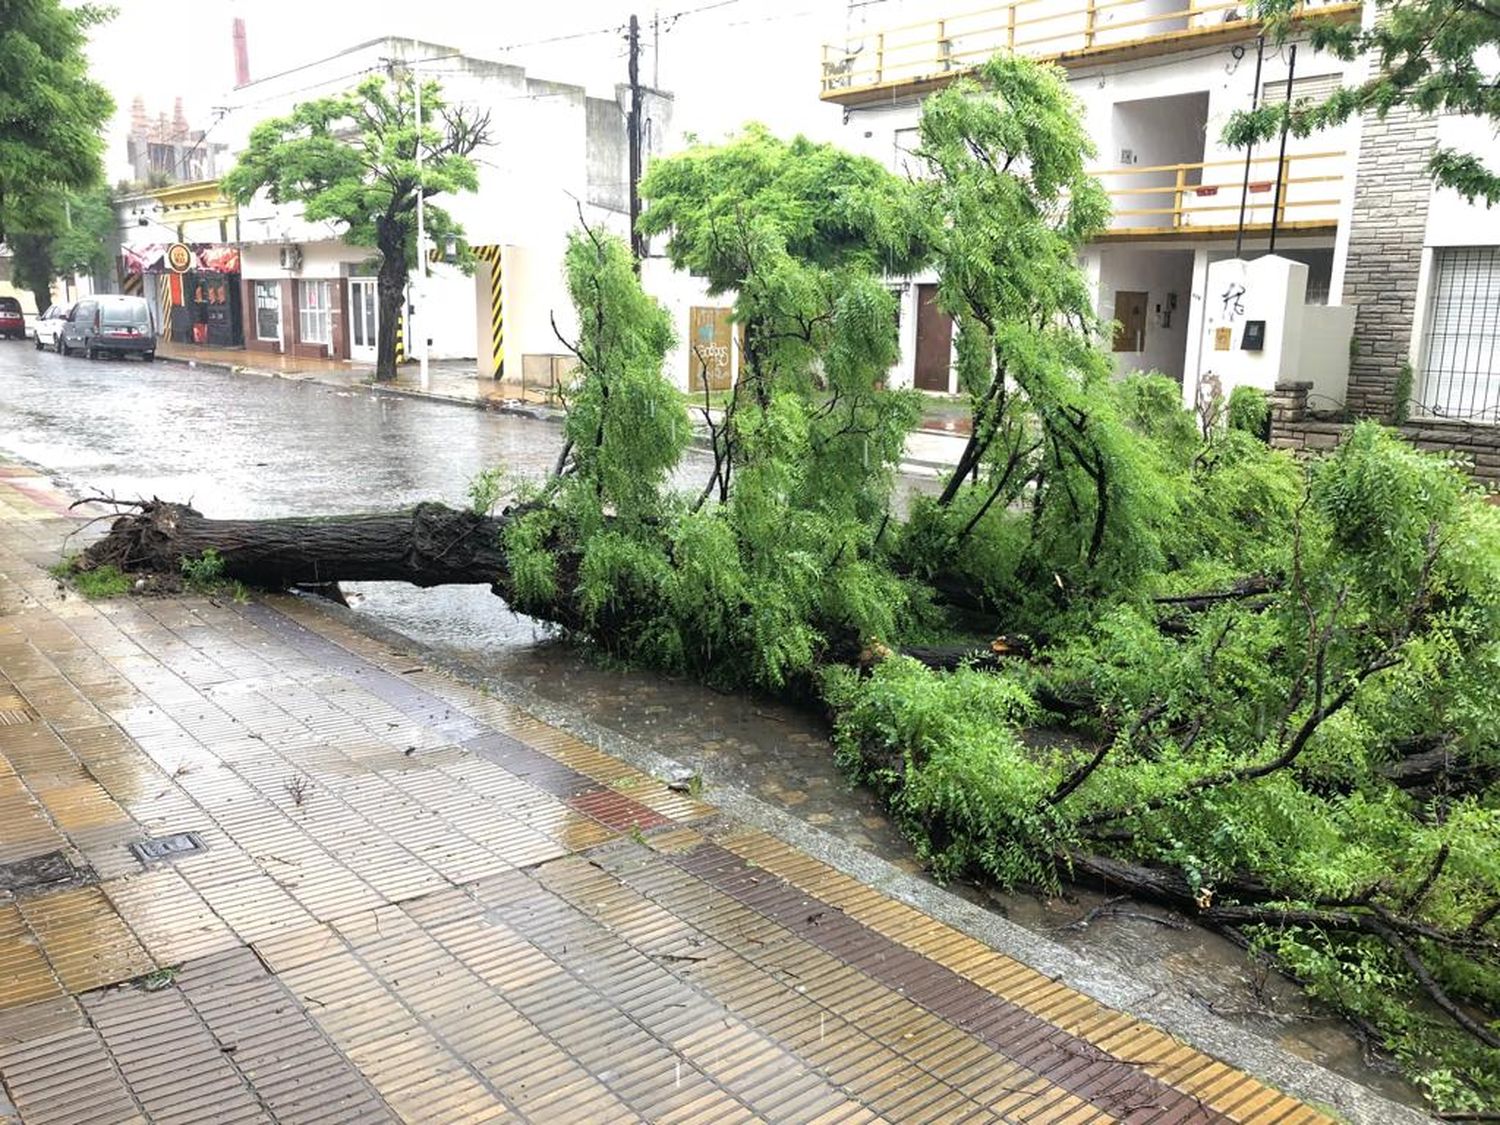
(727, 61)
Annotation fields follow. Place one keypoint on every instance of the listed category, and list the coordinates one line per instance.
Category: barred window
(312, 312)
(1461, 339)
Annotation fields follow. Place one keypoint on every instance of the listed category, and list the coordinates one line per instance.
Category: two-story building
(1156, 81)
(1401, 291)
(556, 156)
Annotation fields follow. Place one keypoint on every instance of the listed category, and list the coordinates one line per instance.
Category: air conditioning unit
(291, 258)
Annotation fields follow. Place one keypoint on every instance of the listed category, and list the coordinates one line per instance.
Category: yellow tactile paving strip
(421, 904)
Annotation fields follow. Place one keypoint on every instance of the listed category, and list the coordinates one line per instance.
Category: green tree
(75, 232)
(51, 114)
(353, 159)
(1435, 56)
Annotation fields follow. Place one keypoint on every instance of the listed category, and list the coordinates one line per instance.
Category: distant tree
(352, 159)
(1435, 56)
(74, 232)
(51, 114)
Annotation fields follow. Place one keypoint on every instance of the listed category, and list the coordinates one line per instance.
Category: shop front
(193, 289)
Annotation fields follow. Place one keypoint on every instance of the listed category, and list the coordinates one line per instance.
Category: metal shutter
(1316, 87)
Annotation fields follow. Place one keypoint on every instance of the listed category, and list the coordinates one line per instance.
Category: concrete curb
(517, 410)
(1176, 1014)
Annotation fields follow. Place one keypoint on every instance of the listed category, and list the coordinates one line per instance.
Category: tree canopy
(352, 159)
(62, 234)
(51, 114)
(1435, 56)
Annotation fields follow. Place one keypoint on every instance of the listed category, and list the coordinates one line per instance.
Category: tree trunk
(390, 288)
(429, 545)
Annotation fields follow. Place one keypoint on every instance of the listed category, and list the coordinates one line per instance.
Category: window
(314, 300)
(268, 310)
(1461, 340)
(1314, 87)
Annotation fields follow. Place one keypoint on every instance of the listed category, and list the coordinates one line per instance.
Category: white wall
(1160, 274)
(1272, 289)
(1149, 133)
(1451, 219)
(1323, 354)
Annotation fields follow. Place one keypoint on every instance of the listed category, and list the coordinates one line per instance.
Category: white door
(363, 319)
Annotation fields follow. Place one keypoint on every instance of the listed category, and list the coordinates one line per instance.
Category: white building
(556, 154)
(1158, 81)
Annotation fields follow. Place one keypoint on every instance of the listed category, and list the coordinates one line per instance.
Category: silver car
(110, 323)
(46, 330)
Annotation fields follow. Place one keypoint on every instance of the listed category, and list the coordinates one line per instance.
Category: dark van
(109, 323)
(12, 320)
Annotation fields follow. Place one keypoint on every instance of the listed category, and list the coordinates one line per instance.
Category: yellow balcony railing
(1206, 196)
(933, 50)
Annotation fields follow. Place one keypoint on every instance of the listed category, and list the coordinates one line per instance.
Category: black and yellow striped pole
(493, 256)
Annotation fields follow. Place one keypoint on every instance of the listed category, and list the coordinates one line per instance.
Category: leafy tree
(1435, 56)
(51, 114)
(74, 233)
(353, 159)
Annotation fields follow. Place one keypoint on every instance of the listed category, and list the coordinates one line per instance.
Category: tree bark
(390, 288)
(429, 545)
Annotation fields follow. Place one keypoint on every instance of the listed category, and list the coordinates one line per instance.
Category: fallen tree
(428, 545)
(1056, 665)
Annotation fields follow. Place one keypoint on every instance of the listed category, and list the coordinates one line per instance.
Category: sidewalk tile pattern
(420, 904)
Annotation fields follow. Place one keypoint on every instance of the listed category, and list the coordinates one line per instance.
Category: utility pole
(1291, 78)
(633, 123)
(656, 49)
(1239, 231)
(421, 303)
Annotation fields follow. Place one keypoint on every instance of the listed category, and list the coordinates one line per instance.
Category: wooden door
(934, 342)
(1130, 317)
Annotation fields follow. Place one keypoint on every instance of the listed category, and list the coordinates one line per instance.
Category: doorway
(364, 322)
(934, 342)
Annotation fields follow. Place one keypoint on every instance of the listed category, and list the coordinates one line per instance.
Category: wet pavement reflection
(249, 446)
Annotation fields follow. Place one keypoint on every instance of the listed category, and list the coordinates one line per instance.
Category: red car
(12, 321)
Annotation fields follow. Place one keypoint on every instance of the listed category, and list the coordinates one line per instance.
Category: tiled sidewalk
(417, 903)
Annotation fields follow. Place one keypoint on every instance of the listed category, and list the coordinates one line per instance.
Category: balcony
(918, 57)
(1202, 199)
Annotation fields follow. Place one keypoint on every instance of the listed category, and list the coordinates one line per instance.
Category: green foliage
(626, 425)
(965, 787)
(1249, 412)
(204, 572)
(1433, 56)
(52, 115)
(352, 159)
(485, 489)
(101, 582)
(1233, 652)
(1402, 392)
(59, 234)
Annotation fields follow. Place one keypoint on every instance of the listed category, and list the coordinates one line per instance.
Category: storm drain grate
(40, 871)
(169, 847)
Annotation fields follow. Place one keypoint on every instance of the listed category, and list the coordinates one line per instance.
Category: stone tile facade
(1385, 252)
(1476, 447)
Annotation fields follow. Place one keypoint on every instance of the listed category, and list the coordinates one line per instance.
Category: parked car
(12, 319)
(47, 329)
(109, 323)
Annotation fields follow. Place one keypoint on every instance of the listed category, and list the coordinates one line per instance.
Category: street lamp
(421, 302)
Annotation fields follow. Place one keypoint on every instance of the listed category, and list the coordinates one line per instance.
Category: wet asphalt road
(250, 446)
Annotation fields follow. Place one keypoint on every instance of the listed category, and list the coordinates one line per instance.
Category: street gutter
(911, 466)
